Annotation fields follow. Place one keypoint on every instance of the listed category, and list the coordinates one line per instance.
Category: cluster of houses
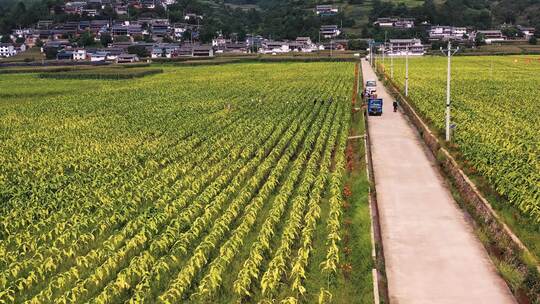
(94, 8)
(455, 33)
(119, 52)
(156, 29)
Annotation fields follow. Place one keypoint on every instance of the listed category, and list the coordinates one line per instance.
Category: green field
(210, 184)
(495, 109)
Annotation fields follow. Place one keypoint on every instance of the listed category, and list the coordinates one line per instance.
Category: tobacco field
(210, 184)
(496, 115)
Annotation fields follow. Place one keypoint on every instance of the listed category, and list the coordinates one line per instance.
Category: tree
(5, 39)
(436, 45)
(533, 40)
(105, 39)
(39, 43)
(86, 39)
(20, 40)
(167, 39)
(357, 44)
(480, 39)
(138, 50)
(50, 52)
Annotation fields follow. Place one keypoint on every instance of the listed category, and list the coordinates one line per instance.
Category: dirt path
(431, 252)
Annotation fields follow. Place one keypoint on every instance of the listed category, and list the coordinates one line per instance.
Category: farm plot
(201, 184)
(494, 107)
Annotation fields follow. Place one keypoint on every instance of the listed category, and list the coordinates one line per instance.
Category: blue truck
(374, 106)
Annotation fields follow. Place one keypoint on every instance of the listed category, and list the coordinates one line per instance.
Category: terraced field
(201, 184)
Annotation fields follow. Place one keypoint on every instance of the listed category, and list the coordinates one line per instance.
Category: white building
(11, 49)
(490, 36)
(441, 32)
(220, 41)
(528, 32)
(271, 47)
(98, 56)
(329, 31)
(403, 47)
(397, 23)
(326, 10)
(79, 54)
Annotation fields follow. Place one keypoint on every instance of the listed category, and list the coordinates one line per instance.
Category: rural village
(132, 40)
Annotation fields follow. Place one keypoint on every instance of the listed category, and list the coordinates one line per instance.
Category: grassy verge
(355, 285)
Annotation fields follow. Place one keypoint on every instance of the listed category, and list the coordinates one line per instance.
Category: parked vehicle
(375, 106)
(370, 87)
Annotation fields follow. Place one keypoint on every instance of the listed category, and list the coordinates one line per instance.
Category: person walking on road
(395, 104)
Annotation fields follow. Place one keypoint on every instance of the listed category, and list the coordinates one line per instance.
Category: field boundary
(504, 245)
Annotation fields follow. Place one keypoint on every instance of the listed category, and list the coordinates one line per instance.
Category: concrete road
(432, 254)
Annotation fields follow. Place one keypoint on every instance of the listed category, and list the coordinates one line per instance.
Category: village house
(160, 29)
(121, 9)
(307, 44)
(528, 32)
(220, 41)
(44, 24)
(446, 33)
(274, 47)
(94, 4)
(79, 54)
(90, 12)
(98, 56)
(402, 47)
(99, 26)
(329, 31)
(185, 50)
(11, 49)
(74, 7)
(113, 53)
(178, 30)
(236, 47)
(203, 51)
(254, 41)
(335, 45)
(151, 4)
(127, 58)
(166, 50)
(64, 55)
(396, 23)
(326, 10)
(490, 36)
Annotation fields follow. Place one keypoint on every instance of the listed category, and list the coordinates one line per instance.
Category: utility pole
(391, 61)
(407, 70)
(383, 51)
(449, 53)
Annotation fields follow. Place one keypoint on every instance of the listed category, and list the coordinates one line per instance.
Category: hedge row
(102, 74)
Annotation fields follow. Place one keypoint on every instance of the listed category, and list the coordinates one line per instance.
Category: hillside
(287, 19)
